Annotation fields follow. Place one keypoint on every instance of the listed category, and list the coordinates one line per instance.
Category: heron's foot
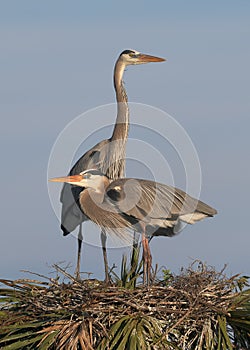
(107, 279)
(77, 274)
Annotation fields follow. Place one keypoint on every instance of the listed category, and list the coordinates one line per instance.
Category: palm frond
(130, 271)
(133, 332)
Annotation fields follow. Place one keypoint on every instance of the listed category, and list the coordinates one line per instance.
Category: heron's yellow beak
(69, 179)
(147, 58)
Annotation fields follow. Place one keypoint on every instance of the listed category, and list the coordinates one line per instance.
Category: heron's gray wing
(92, 159)
(156, 204)
(71, 214)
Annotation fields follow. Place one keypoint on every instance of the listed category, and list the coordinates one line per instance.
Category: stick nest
(178, 309)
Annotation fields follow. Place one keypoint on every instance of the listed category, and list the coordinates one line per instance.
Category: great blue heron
(108, 155)
(151, 208)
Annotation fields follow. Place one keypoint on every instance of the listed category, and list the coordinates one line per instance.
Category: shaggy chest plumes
(107, 218)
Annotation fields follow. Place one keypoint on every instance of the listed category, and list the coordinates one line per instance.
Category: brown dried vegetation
(198, 309)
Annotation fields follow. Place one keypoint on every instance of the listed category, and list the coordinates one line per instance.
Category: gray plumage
(130, 202)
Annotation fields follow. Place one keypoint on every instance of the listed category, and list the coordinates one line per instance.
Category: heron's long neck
(122, 121)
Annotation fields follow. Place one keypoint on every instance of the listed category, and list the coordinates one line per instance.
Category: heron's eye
(133, 55)
(86, 176)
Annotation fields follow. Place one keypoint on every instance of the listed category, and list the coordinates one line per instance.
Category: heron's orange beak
(69, 179)
(147, 58)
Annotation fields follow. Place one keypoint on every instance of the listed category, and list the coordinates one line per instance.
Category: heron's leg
(79, 241)
(147, 260)
(134, 258)
(105, 256)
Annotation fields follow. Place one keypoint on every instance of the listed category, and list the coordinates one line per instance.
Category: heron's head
(134, 57)
(89, 179)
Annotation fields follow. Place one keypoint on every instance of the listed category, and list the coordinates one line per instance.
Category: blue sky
(56, 63)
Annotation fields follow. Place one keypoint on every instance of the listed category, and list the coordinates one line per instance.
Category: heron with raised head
(108, 156)
(151, 208)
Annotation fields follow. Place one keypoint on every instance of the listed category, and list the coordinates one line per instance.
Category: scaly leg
(105, 256)
(147, 260)
(80, 238)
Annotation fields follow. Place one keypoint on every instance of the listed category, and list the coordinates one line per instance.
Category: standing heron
(108, 156)
(151, 208)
